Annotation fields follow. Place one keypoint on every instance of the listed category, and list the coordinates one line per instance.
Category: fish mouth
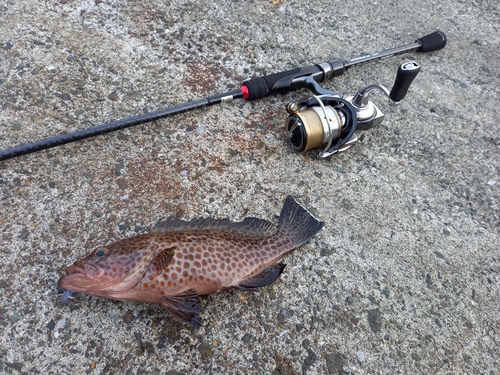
(76, 268)
(79, 276)
(85, 269)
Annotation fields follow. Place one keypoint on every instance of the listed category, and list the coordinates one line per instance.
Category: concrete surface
(405, 276)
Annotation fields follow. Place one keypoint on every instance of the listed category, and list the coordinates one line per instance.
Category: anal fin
(184, 306)
(265, 277)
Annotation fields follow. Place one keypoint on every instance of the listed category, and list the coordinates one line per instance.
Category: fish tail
(297, 223)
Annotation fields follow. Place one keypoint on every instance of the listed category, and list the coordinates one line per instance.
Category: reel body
(329, 121)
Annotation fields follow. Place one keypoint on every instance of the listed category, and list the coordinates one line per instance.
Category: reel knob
(404, 77)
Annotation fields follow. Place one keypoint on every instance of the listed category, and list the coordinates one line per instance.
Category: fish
(177, 261)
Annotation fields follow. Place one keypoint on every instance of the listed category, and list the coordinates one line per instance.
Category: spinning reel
(328, 121)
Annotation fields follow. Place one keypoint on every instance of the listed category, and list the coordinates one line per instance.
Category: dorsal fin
(250, 226)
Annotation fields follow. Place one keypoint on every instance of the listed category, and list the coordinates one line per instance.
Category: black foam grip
(432, 42)
(278, 83)
(257, 88)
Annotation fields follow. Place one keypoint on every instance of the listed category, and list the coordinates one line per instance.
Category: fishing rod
(333, 125)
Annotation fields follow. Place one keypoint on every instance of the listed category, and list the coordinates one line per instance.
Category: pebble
(61, 323)
(324, 252)
(51, 325)
(129, 317)
(360, 355)
(386, 292)
(14, 318)
(246, 337)
(309, 361)
(439, 255)
(374, 320)
(415, 356)
(306, 343)
(334, 363)
(113, 96)
(205, 350)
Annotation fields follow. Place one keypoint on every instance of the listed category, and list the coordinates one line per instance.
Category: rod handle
(432, 42)
(278, 83)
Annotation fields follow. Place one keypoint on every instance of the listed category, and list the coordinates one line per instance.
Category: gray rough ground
(405, 276)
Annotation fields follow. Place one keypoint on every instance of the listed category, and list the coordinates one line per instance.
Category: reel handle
(404, 77)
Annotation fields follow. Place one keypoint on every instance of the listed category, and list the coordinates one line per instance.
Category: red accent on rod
(245, 92)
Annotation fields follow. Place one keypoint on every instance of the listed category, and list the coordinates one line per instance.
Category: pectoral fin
(163, 259)
(265, 277)
(184, 306)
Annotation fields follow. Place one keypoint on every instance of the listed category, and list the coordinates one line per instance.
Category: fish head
(110, 271)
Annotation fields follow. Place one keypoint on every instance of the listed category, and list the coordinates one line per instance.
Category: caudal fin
(297, 223)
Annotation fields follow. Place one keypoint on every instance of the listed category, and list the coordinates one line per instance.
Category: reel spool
(322, 120)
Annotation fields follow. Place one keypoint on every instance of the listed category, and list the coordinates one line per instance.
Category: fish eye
(101, 251)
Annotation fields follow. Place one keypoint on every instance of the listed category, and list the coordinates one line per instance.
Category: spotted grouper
(179, 260)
